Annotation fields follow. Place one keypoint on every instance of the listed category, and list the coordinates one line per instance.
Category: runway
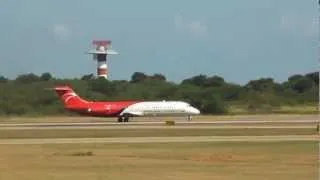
(222, 124)
(184, 139)
(164, 127)
(145, 123)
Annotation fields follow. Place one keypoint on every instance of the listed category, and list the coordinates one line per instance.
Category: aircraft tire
(126, 119)
(120, 119)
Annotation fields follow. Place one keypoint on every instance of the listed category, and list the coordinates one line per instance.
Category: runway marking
(164, 139)
(164, 127)
(157, 122)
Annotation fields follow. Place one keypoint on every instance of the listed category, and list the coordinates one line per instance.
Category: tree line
(28, 94)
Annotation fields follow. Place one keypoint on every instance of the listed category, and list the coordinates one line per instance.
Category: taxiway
(222, 124)
(164, 139)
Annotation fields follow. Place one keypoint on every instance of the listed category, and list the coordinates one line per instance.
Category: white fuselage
(152, 108)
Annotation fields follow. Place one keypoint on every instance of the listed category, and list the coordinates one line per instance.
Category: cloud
(61, 31)
(299, 25)
(194, 27)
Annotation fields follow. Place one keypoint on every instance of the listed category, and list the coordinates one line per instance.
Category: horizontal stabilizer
(60, 88)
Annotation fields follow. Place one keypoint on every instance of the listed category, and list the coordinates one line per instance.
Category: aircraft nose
(194, 110)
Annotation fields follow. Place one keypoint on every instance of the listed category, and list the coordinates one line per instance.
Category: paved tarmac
(224, 124)
(164, 139)
(312, 121)
(164, 127)
(221, 124)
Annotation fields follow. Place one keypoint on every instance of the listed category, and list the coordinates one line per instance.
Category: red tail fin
(68, 97)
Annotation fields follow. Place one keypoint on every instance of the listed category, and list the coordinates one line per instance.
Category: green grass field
(174, 161)
(284, 109)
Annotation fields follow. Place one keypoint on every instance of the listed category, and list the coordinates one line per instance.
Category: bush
(26, 95)
(214, 105)
(170, 123)
(89, 153)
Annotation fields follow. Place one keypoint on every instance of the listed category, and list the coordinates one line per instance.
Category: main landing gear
(189, 118)
(123, 119)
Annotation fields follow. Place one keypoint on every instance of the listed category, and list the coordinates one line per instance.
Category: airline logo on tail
(68, 96)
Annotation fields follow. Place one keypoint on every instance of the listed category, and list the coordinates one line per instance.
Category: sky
(238, 40)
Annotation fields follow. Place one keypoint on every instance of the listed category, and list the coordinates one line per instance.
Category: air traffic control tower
(102, 49)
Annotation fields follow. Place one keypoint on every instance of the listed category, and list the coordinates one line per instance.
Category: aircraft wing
(133, 113)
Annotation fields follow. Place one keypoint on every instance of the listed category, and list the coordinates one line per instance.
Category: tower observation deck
(102, 48)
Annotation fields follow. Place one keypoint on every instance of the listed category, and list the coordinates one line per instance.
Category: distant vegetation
(27, 94)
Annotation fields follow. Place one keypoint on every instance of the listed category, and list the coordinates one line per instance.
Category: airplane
(123, 110)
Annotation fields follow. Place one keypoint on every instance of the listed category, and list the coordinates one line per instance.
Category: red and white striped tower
(100, 52)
